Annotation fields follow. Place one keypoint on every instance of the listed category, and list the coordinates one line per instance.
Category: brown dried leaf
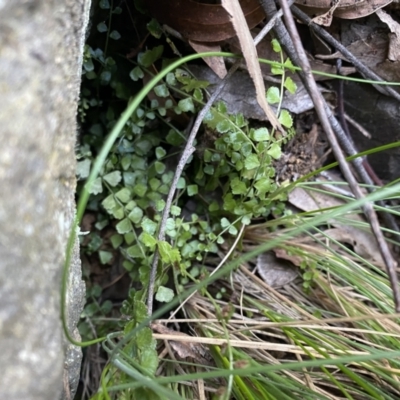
(276, 273)
(394, 43)
(346, 9)
(183, 349)
(362, 241)
(326, 18)
(202, 22)
(217, 64)
(294, 259)
(250, 54)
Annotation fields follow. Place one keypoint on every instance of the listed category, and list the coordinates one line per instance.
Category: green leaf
(129, 238)
(124, 195)
(214, 206)
(174, 138)
(115, 35)
(105, 257)
(154, 184)
(116, 240)
(164, 294)
(150, 115)
(186, 105)
(251, 162)
(140, 189)
(105, 77)
(104, 4)
(102, 27)
(233, 230)
(118, 212)
(127, 265)
(83, 168)
(167, 253)
(275, 151)
(276, 70)
(159, 167)
(124, 226)
(134, 251)
(96, 187)
(160, 205)
(225, 222)
(88, 65)
(160, 153)
(273, 95)
(288, 64)
(170, 78)
(224, 126)
(290, 85)
(154, 28)
(165, 250)
(260, 135)
(107, 306)
(113, 178)
(138, 163)
(109, 203)
(148, 361)
(125, 162)
(149, 57)
(148, 240)
(175, 211)
(238, 187)
(276, 46)
(246, 220)
(198, 94)
(181, 183)
(136, 215)
(161, 90)
(192, 190)
(263, 185)
(144, 339)
(148, 226)
(286, 119)
(136, 74)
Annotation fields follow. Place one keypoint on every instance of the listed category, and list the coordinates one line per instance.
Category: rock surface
(41, 43)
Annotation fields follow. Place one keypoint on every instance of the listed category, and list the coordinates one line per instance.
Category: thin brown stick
(187, 152)
(321, 111)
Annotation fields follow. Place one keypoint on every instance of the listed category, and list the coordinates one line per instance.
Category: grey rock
(41, 44)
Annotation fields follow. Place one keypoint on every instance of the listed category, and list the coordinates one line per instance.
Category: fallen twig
(321, 109)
